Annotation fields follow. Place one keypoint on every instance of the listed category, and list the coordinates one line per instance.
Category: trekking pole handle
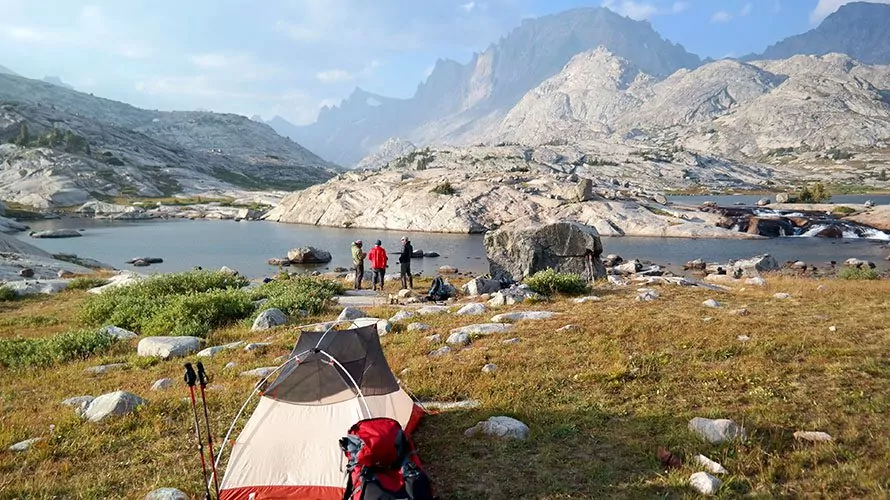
(190, 376)
(202, 375)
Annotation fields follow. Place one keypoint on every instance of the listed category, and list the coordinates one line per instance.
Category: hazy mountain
(457, 98)
(860, 30)
(79, 145)
(6, 71)
(55, 80)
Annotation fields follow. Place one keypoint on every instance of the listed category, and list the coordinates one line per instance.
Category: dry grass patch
(599, 400)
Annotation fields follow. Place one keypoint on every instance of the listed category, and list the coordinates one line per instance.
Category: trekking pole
(190, 379)
(202, 382)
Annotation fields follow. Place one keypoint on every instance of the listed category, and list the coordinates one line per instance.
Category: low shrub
(549, 282)
(196, 314)
(813, 194)
(85, 283)
(15, 353)
(7, 294)
(843, 210)
(444, 189)
(852, 273)
(297, 294)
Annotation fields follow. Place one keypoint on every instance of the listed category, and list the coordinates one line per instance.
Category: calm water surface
(247, 245)
(747, 199)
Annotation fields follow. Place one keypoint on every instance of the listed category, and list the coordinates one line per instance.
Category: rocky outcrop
(525, 247)
(308, 255)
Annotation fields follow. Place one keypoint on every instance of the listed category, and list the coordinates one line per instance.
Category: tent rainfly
(289, 447)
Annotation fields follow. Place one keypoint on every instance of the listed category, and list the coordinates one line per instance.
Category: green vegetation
(7, 294)
(813, 194)
(444, 188)
(853, 273)
(549, 282)
(56, 349)
(196, 314)
(85, 283)
(882, 175)
(658, 211)
(597, 162)
(24, 136)
(297, 295)
(250, 182)
(838, 154)
(842, 210)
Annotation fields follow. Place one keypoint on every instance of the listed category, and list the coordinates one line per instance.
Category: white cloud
(334, 76)
(632, 9)
(237, 65)
(746, 10)
(468, 7)
(721, 17)
(26, 34)
(828, 7)
(679, 7)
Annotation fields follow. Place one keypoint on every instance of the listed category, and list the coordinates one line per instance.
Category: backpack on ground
(382, 463)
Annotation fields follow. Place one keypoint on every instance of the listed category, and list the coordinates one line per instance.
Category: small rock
(740, 312)
(99, 370)
(401, 316)
(490, 368)
(161, 384)
(763, 202)
(230, 364)
(167, 347)
(80, 403)
(522, 315)
(502, 427)
(695, 265)
(743, 338)
(708, 319)
(799, 265)
(64, 274)
(384, 327)
(418, 327)
(256, 346)
(832, 328)
(511, 341)
(631, 267)
(431, 255)
(429, 310)
(709, 465)
(859, 264)
(816, 437)
(756, 281)
(440, 352)
(705, 483)
(716, 431)
(647, 295)
(166, 494)
(119, 333)
(405, 293)
(24, 445)
(481, 286)
(228, 270)
(483, 328)
(589, 298)
(447, 270)
(568, 328)
(711, 303)
(111, 404)
(472, 309)
(458, 339)
(782, 296)
(260, 372)
(351, 313)
(269, 318)
(26, 273)
(213, 351)
(434, 338)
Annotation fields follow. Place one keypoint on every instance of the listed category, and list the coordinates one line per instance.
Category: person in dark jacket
(358, 260)
(405, 263)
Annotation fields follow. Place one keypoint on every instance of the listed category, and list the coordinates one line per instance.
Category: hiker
(379, 263)
(358, 260)
(405, 264)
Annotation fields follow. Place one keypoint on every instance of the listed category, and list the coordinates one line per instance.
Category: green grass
(32, 352)
(550, 282)
(852, 273)
(297, 295)
(843, 210)
(445, 189)
(85, 283)
(7, 294)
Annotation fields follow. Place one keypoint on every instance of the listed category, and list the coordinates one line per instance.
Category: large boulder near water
(309, 255)
(527, 246)
(480, 286)
(56, 233)
(752, 267)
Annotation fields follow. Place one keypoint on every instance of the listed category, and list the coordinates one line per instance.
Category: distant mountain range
(6, 71)
(55, 80)
(461, 103)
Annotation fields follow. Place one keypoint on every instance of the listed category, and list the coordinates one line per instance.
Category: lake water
(748, 199)
(246, 246)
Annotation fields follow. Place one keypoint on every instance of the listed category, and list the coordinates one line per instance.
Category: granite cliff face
(71, 146)
(458, 100)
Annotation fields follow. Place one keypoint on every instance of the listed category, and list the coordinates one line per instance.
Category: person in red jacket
(379, 261)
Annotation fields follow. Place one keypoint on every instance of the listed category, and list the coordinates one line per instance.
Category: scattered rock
(513, 295)
(752, 267)
(213, 351)
(815, 437)
(256, 346)
(270, 318)
(278, 261)
(785, 198)
(480, 286)
(859, 264)
(167, 347)
(832, 329)
(660, 199)
(631, 267)
(716, 431)
(589, 298)
(430, 310)
(458, 339)
(584, 190)
(405, 293)
(418, 327)
(351, 313)
(24, 445)
(502, 427)
(743, 338)
(612, 260)
(230, 364)
(383, 327)
(647, 295)
(166, 494)
(24, 288)
(782, 296)
(447, 270)
(440, 352)
(740, 312)
(146, 260)
(569, 328)
(705, 483)
(111, 404)
(308, 255)
(490, 368)
(472, 309)
(695, 265)
(711, 303)
(522, 315)
(56, 233)
(763, 202)
(119, 333)
(434, 338)
(710, 465)
(401, 316)
(431, 255)
(260, 372)
(757, 281)
(483, 329)
(99, 370)
(162, 384)
(26, 273)
(511, 341)
(79, 403)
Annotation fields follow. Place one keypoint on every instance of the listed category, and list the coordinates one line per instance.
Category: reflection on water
(247, 245)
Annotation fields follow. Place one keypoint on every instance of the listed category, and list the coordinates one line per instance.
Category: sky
(291, 57)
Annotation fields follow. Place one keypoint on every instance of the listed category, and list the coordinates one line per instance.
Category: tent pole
(354, 383)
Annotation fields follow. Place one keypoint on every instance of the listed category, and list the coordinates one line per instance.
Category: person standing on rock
(379, 262)
(358, 260)
(405, 264)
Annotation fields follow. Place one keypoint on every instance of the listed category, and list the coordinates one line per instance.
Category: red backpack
(382, 463)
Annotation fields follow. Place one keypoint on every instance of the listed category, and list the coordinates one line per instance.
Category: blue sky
(290, 57)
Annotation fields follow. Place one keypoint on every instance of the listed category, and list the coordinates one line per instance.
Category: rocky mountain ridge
(71, 147)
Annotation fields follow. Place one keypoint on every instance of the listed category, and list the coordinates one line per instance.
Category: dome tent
(289, 446)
